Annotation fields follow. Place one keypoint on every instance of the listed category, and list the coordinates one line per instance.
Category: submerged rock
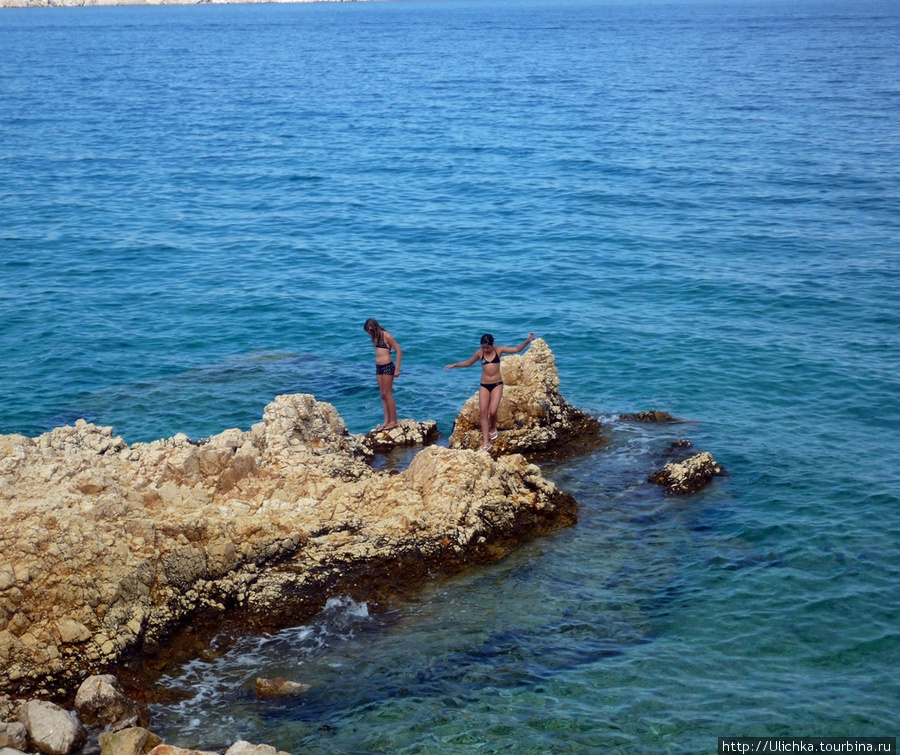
(107, 550)
(534, 419)
(275, 688)
(688, 476)
(651, 416)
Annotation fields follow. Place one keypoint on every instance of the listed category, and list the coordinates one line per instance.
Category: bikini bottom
(384, 369)
(490, 386)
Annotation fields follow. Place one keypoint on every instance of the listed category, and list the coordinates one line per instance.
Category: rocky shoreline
(108, 552)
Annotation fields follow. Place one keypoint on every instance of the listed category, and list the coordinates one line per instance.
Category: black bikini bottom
(490, 386)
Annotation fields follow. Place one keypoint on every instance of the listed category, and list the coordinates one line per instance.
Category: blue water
(697, 205)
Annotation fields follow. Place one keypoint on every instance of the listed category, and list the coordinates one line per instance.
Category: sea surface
(696, 204)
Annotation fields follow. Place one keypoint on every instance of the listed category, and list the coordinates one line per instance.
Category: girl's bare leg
(386, 386)
(484, 405)
(494, 409)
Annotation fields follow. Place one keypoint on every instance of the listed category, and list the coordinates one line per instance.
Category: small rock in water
(651, 416)
(688, 476)
(273, 688)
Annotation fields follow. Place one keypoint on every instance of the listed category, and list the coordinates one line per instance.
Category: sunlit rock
(407, 434)
(534, 419)
(108, 550)
(51, 729)
(132, 741)
(688, 476)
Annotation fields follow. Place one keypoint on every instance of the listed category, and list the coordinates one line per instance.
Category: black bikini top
(382, 345)
(495, 360)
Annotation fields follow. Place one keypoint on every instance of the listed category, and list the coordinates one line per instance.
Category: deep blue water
(697, 205)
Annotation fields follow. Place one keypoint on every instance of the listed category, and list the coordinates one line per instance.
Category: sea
(696, 203)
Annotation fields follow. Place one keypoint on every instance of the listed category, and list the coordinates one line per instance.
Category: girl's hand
(449, 366)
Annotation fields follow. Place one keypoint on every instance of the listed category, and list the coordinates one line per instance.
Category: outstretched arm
(516, 349)
(468, 363)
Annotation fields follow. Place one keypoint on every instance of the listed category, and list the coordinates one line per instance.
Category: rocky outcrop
(407, 434)
(688, 476)
(534, 419)
(107, 549)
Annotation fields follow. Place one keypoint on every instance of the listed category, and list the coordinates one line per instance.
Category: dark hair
(374, 329)
(488, 339)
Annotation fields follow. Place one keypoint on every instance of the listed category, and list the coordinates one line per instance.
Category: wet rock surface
(688, 476)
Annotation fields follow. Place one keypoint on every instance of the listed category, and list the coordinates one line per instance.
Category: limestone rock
(13, 734)
(165, 749)
(132, 741)
(51, 729)
(101, 701)
(245, 748)
(407, 434)
(688, 476)
(107, 550)
(534, 419)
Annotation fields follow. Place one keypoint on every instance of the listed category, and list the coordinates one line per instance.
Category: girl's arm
(392, 342)
(468, 363)
(516, 349)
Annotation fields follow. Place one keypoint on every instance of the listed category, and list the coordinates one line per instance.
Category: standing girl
(385, 370)
(491, 390)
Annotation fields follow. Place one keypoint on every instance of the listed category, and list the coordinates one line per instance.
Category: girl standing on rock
(385, 370)
(491, 390)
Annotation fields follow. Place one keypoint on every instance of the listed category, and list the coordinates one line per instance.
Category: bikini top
(382, 345)
(495, 360)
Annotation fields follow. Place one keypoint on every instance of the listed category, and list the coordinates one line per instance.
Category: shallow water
(694, 203)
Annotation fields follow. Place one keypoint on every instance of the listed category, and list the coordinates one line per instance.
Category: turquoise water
(694, 203)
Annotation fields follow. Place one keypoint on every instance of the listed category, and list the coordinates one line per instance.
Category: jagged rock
(273, 688)
(245, 748)
(688, 476)
(13, 734)
(102, 701)
(107, 550)
(534, 419)
(51, 729)
(651, 416)
(407, 434)
(133, 741)
(10, 751)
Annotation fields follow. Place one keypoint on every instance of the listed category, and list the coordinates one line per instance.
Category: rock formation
(688, 476)
(107, 549)
(407, 434)
(534, 419)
